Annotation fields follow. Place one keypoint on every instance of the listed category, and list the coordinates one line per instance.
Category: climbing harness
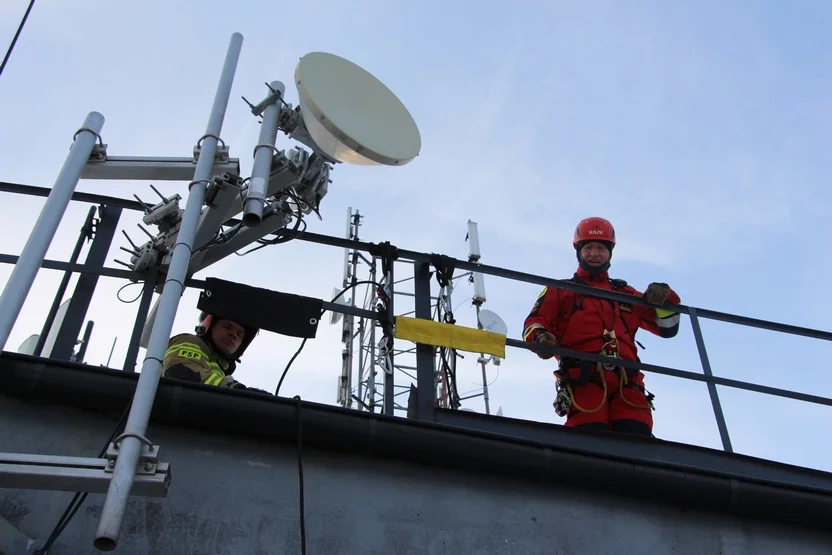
(565, 398)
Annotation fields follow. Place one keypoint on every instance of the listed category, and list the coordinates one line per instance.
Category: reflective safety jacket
(578, 321)
(190, 358)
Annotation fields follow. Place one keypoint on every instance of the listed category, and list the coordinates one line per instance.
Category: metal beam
(31, 190)
(79, 474)
(389, 399)
(706, 368)
(497, 271)
(664, 370)
(404, 254)
(152, 168)
(85, 235)
(105, 230)
(281, 178)
(425, 372)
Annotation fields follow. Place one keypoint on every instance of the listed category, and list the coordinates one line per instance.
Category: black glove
(547, 339)
(656, 293)
(259, 390)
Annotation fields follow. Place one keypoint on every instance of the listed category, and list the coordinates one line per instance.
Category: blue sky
(701, 129)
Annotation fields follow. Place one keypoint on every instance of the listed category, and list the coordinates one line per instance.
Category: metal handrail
(397, 254)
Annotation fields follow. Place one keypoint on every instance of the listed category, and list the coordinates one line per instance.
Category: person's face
(595, 254)
(227, 336)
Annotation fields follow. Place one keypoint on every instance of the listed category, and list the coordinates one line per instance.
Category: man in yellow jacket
(211, 355)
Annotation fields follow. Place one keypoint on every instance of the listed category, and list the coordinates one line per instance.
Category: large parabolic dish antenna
(352, 116)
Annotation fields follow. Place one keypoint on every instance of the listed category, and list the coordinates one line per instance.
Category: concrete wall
(238, 496)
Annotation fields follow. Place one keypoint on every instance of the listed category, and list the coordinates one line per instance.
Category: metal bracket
(221, 157)
(148, 458)
(91, 475)
(98, 154)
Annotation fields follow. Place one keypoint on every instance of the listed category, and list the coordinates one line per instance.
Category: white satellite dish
(492, 322)
(352, 116)
(335, 317)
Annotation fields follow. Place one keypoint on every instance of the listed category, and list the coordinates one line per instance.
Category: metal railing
(111, 207)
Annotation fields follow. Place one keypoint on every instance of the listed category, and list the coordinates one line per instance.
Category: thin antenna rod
(16, 36)
(111, 351)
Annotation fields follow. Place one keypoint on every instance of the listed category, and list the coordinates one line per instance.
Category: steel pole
(425, 370)
(263, 155)
(86, 233)
(24, 272)
(484, 373)
(115, 504)
(706, 368)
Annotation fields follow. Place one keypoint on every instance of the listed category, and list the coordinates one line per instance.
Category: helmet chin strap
(594, 270)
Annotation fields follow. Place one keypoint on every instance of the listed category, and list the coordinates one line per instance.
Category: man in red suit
(590, 394)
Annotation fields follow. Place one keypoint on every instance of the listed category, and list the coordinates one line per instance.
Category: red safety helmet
(594, 229)
(591, 230)
(204, 327)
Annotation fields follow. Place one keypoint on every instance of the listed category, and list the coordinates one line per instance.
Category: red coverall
(578, 322)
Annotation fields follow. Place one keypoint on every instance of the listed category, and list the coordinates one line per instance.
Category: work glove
(238, 385)
(258, 390)
(547, 339)
(656, 293)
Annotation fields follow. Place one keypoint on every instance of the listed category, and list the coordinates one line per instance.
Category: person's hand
(656, 293)
(547, 339)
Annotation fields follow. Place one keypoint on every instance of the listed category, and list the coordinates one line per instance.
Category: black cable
(79, 498)
(286, 370)
(123, 287)
(303, 343)
(16, 36)
(300, 477)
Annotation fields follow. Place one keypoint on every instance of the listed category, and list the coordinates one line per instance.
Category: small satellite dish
(352, 116)
(492, 322)
(335, 317)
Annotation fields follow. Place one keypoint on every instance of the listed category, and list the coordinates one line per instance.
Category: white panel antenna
(474, 255)
(52, 336)
(28, 346)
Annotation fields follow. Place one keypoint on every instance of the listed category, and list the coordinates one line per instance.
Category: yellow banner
(451, 336)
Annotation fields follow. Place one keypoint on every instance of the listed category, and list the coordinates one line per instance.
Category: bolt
(148, 466)
(111, 463)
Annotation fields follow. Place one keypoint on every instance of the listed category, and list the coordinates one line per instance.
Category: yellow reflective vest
(190, 358)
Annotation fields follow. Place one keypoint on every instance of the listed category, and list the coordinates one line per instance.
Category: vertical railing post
(371, 380)
(706, 368)
(132, 441)
(105, 230)
(425, 370)
(85, 235)
(24, 272)
(389, 398)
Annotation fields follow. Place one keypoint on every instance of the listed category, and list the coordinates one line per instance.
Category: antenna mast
(359, 384)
